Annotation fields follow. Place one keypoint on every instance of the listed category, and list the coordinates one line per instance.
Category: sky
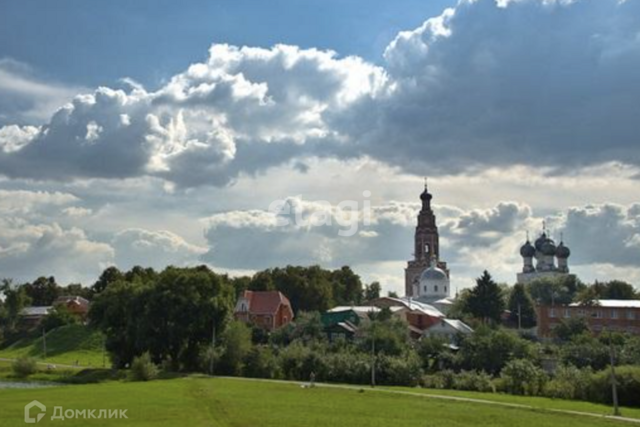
(246, 135)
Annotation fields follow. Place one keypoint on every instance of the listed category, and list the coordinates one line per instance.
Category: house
(268, 310)
(610, 315)
(32, 316)
(449, 329)
(75, 305)
(344, 321)
(417, 314)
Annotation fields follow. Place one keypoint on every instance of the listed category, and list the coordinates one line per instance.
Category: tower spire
(425, 183)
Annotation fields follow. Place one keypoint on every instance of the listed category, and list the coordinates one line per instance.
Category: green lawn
(65, 345)
(198, 401)
(538, 402)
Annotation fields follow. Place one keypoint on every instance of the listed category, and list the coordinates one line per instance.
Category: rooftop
(612, 303)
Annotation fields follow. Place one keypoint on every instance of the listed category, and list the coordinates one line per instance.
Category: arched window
(435, 288)
(425, 288)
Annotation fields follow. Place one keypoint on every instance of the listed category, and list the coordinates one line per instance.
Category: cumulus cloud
(602, 234)
(155, 249)
(28, 250)
(487, 83)
(312, 232)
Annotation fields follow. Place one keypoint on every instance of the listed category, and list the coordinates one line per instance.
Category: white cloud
(155, 249)
(483, 85)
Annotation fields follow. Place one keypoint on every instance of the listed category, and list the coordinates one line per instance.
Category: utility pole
(44, 343)
(614, 382)
(519, 317)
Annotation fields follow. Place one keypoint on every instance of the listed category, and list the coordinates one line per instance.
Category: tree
(485, 299)
(372, 291)
(521, 305)
(569, 328)
(172, 315)
(108, 276)
(615, 289)
(347, 286)
(15, 299)
(43, 291)
(560, 290)
(236, 342)
(489, 350)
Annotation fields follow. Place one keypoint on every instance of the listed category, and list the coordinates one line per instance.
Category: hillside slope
(65, 345)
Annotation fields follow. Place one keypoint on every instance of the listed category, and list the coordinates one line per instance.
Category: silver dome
(433, 273)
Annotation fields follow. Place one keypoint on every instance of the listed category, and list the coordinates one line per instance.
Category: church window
(435, 288)
(425, 289)
(445, 289)
(427, 249)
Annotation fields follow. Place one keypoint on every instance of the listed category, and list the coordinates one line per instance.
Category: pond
(25, 384)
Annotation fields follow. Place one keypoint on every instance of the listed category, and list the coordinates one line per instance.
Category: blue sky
(96, 43)
(161, 132)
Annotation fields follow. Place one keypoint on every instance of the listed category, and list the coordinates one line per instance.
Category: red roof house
(265, 309)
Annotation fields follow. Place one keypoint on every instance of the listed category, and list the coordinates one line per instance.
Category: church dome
(527, 250)
(540, 241)
(426, 195)
(433, 273)
(548, 247)
(562, 251)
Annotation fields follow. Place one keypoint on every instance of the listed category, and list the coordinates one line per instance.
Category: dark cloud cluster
(549, 83)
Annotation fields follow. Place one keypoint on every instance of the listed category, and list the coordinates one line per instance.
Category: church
(426, 275)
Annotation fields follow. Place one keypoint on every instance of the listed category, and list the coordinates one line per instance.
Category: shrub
(392, 370)
(24, 366)
(261, 363)
(143, 368)
(440, 380)
(473, 381)
(520, 376)
(569, 382)
(628, 379)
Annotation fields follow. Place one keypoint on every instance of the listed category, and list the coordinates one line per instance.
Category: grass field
(537, 402)
(198, 401)
(65, 345)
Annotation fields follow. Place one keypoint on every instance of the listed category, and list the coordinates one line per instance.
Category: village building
(426, 276)
(268, 310)
(75, 305)
(602, 315)
(449, 329)
(30, 317)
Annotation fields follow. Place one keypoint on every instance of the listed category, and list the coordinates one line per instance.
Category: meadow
(200, 401)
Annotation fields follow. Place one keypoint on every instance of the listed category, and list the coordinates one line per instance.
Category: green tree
(561, 290)
(570, 328)
(15, 299)
(372, 291)
(236, 342)
(614, 289)
(43, 291)
(489, 350)
(347, 286)
(521, 305)
(485, 299)
(108, 276)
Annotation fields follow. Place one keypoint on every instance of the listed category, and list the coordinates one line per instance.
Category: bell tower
(426, 244)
